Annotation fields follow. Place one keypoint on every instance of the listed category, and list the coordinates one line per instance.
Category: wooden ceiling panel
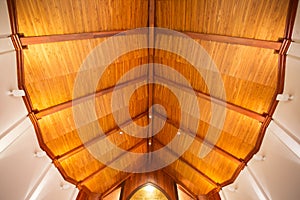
(190, 178)
(250, 19)
(238, 135)
(81, 165)
(215, 165)
(50, 79)
(249, 74)
(63, 17)
(103, 181)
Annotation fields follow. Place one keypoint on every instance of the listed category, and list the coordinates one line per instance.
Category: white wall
(23, 175)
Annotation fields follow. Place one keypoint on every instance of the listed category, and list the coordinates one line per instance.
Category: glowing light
(149, 188)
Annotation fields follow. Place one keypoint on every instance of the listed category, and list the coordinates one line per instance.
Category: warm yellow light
(149, 188)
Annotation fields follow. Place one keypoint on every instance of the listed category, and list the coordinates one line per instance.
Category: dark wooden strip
(207, 97)
(79, 100)
(66, 37)
(236, 40)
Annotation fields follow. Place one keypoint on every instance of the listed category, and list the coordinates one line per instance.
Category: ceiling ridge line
(77, 149)
(200, 139)
(71, 103)
(211, 181)
(244, 111)
(150, 74)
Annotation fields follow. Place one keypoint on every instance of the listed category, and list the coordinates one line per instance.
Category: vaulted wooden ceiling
(246, 39)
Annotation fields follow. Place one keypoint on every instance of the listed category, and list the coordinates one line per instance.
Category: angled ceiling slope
(246, 40)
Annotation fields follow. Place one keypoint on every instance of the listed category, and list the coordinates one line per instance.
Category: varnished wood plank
(112, 161)
(290, 20)
(202, 95)
(151, 42)
(208, 179)
(66, 155)
(181, 183)
(235, 40)
(68, 104)
(202, 140)
(31, 40)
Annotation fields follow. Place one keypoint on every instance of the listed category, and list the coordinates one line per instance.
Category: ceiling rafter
(143, 141)
(235, 40)
(69, 104)
(75, 150)
(31, 40)
(151, 42)
(205, 96)
(202, 140)
(208, 179)
(115, 186)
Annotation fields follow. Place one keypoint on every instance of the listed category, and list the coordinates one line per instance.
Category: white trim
(37, 188)
(74, 194)
(5, 30)
(9, 136)
(285, 138)
(6, 45)
(256, 185)
(294, 50)
(222, 195)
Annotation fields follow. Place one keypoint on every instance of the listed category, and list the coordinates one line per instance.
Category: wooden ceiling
(246, 39)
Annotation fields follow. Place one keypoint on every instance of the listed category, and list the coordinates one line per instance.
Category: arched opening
(148, 191)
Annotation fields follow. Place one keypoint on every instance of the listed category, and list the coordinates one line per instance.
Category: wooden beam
(12, 11)
(68, 104)
(208, 179)
(235, 40)
(215, 100)
(259, 139)
(31, 40)
(115, 186)
(151, 42)
(91, 176)
(194, 196)
(184, 190)
(202, 140)
(75, 150)
(67, 37)
(290, 20)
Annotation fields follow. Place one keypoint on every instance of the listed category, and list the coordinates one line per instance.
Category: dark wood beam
(68, 104)
(91, 176)
(215, 100)
(202, 140)
(115, 186)
(180, 158)
(184, 190)
(30, 40)
(194, 196)
(75, 150)
(151, 42)
(235, 40)
(290, 20)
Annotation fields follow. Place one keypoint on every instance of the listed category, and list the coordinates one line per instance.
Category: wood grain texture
(249, 19)
(62, 17)
(157, 178)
